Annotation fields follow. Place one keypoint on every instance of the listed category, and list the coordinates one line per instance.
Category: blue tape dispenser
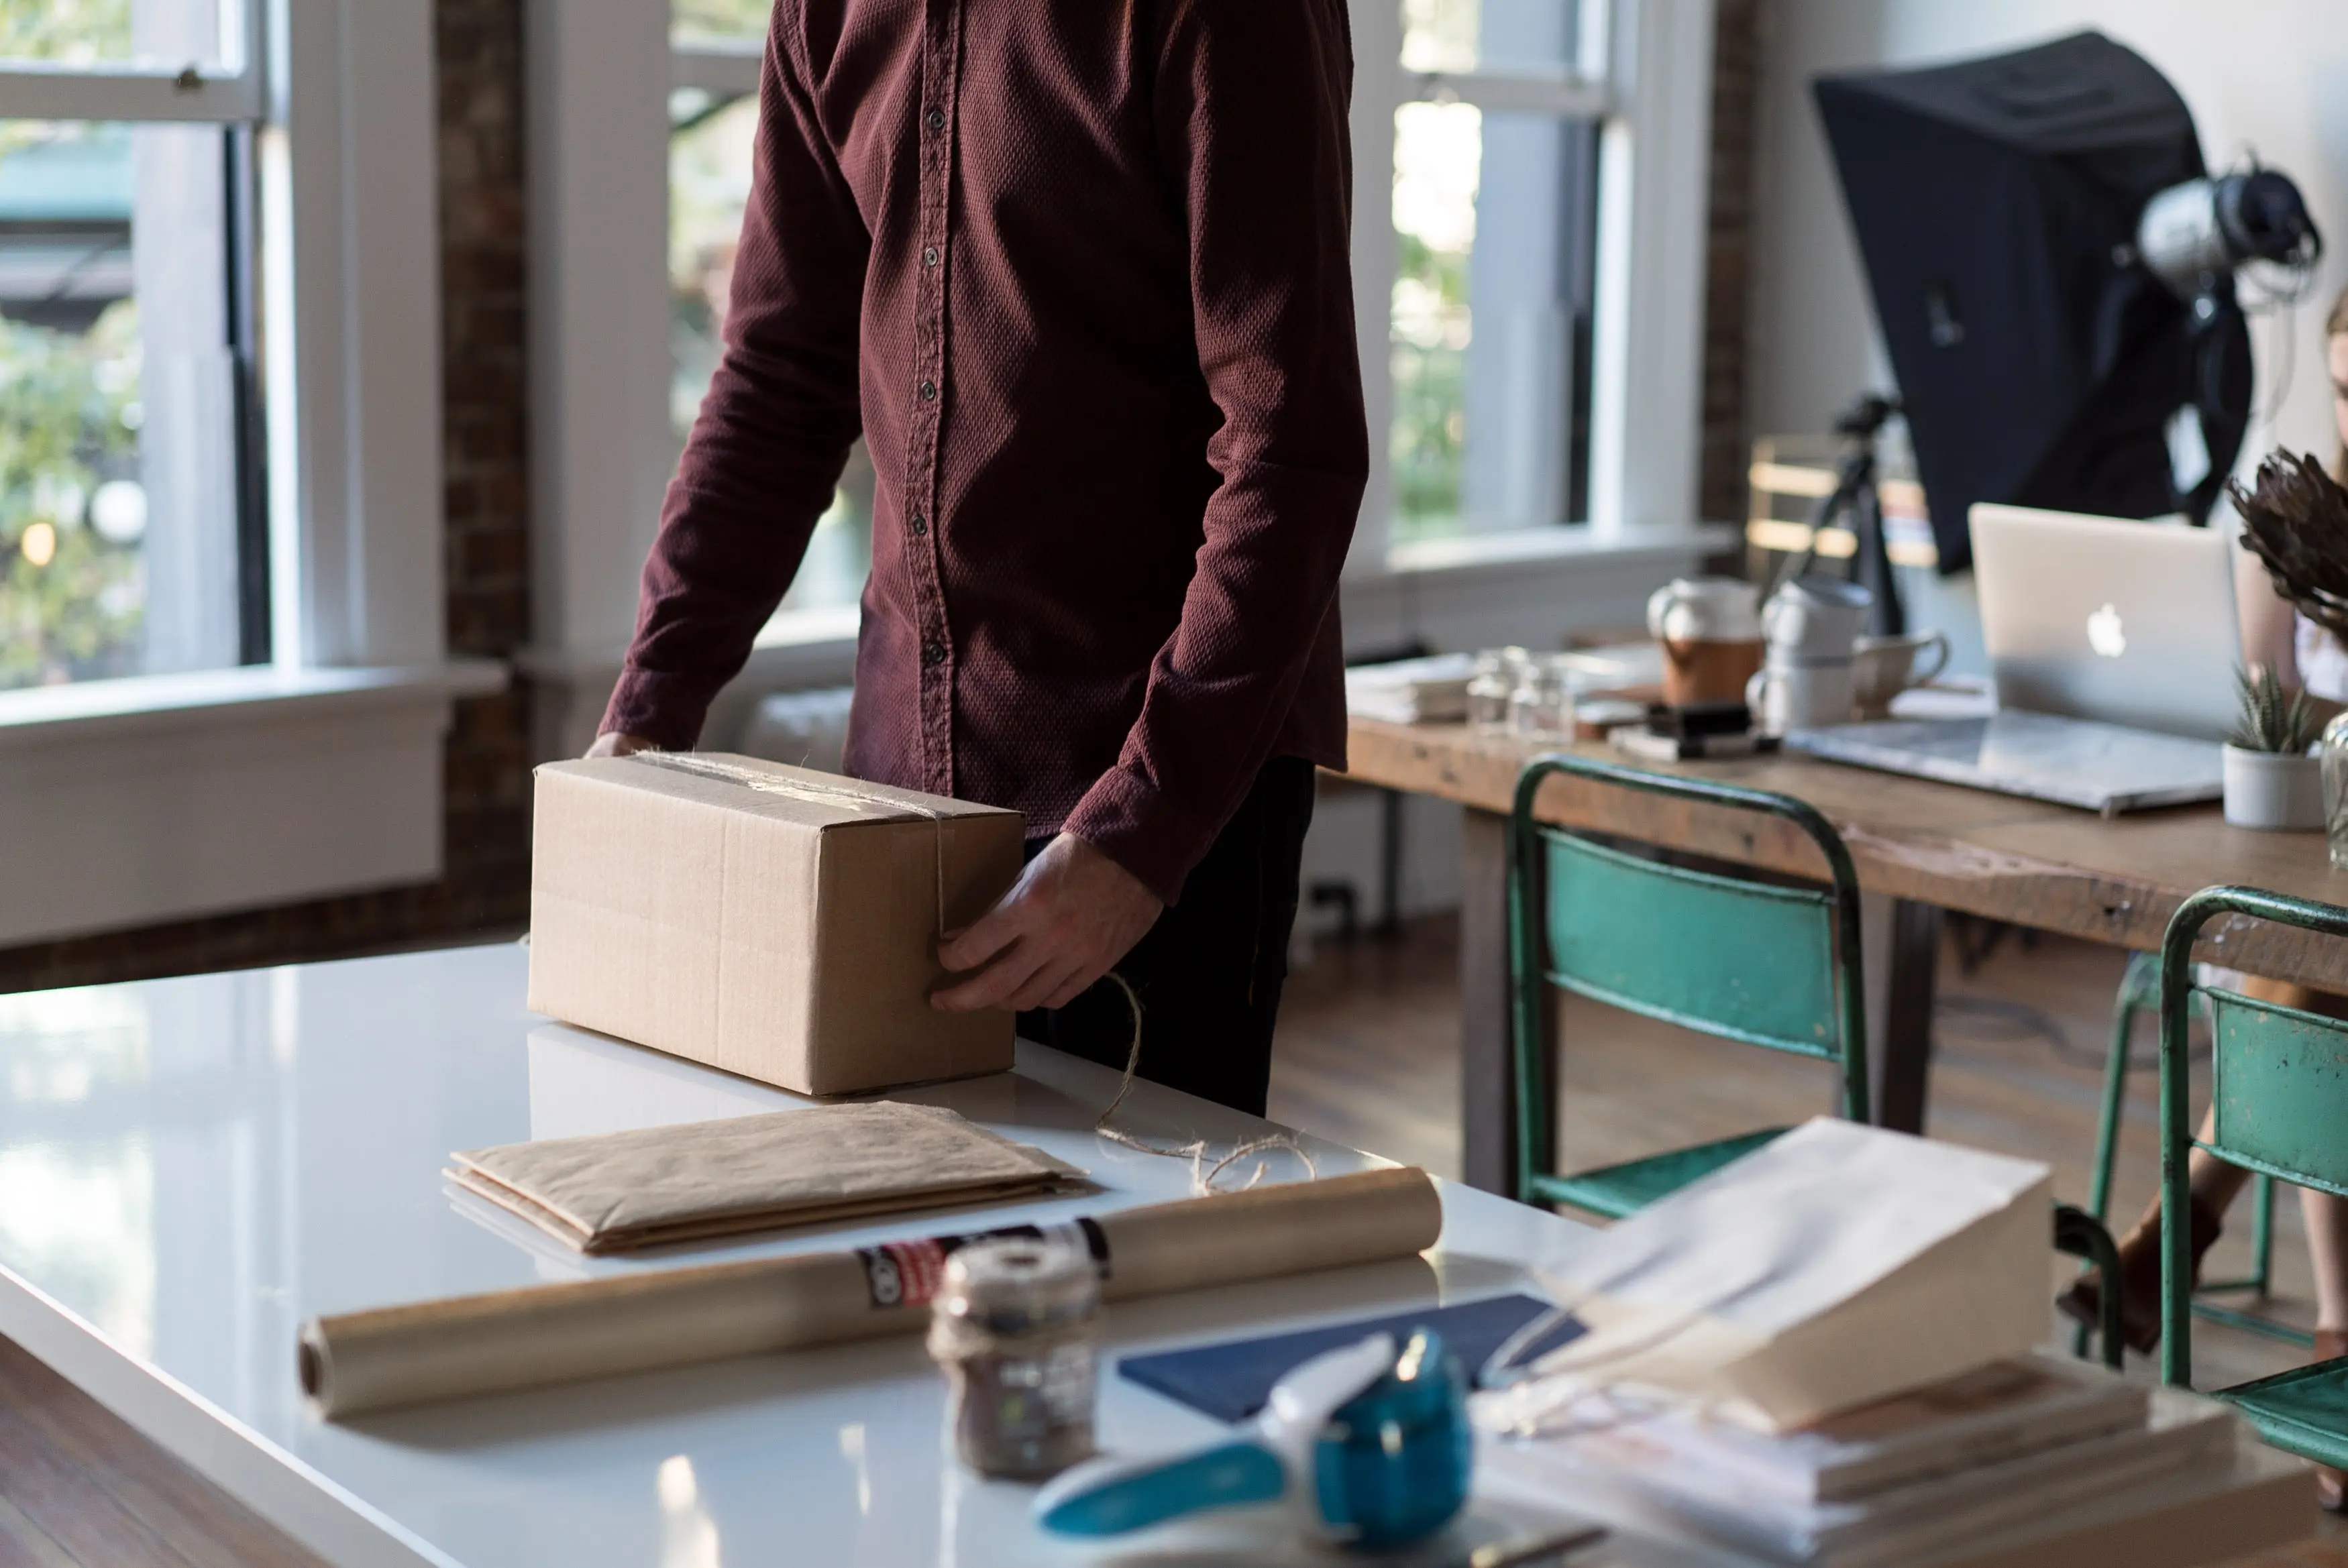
(1370, 1445)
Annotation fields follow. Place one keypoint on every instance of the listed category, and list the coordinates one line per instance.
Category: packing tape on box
(356, 1362)
(843, 794)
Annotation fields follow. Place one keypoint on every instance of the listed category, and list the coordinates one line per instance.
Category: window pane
(116, 32)
(699, 19)
(117, 403)
(1523, 35)
(1495, 219)
(708, 184)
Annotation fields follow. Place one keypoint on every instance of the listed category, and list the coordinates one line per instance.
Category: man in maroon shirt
(1077, 272)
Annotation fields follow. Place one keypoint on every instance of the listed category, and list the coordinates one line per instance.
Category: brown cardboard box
(773, 921)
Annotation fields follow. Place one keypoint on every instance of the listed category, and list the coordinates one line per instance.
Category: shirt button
(937, 119)
(919, 524)
(929, 391)
(928, 255)
(933, 653)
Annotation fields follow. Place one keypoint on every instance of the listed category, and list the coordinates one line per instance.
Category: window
(1495, 207)
(131, 535)
(713, 114)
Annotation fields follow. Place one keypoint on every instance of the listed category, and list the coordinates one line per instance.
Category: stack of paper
(611, 1192)
(1888, 1484)
(1432, 690)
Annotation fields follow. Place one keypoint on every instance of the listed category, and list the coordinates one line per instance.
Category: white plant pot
(2273, 790)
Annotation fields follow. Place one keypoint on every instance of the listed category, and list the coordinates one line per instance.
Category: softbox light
(2040, 363)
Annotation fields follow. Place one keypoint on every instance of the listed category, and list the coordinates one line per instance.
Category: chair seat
(1615, 1191)
(2303, 1412)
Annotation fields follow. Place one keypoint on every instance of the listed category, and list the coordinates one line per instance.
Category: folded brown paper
(510, 1339)
(692, 1180)
(773, 921)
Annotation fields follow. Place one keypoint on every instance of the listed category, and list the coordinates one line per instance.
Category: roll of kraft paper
(512, 1339)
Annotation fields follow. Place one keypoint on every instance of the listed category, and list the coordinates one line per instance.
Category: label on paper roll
(908, 1273)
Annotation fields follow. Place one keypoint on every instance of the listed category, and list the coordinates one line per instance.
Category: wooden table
(1929, 847)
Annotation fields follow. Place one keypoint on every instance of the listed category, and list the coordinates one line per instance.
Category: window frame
(153, 797)
(1651, 97)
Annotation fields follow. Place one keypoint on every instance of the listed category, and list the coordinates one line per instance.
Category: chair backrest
(2279, 1088)
(1742, 958)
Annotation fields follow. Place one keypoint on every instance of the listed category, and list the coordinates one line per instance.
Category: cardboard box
(769, 920)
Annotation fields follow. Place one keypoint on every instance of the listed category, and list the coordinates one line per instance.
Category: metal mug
(1805, 696)
(1815, 617)
(1883, 667)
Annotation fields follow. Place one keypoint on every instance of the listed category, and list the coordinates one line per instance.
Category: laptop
(2112, 647)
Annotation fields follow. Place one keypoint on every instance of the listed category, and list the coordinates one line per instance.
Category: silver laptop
(2112, 644)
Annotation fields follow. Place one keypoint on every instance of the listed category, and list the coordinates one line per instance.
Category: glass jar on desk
(2334, 752)
(1540, 708)
(1491, 686)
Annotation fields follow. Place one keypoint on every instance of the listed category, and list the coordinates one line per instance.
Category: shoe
(2331, 1486)
(2139, 1279)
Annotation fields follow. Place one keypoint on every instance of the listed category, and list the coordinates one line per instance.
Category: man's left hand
(1071, 916)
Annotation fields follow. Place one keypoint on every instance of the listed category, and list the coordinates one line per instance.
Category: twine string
(1202, 1176)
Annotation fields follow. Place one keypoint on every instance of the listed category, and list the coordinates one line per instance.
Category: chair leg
(2107, 1124)
(2084, 1236)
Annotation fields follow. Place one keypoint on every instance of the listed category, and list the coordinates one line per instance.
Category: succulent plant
(2272, 719)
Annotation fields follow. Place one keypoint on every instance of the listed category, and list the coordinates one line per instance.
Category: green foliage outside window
(714, 18)
(65, 30)
(70, 601)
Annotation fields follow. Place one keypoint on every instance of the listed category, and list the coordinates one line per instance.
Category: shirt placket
(924, 522)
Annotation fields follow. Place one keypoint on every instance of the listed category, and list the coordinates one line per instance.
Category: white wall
(2269, 75)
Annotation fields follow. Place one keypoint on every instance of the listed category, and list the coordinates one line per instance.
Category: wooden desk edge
(1930, 849)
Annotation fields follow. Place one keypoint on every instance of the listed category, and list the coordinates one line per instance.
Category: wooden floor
(1368, 1055)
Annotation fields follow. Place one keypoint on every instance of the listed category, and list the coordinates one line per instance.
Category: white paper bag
(1834, 1265)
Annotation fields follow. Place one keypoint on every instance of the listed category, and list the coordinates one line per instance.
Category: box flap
(803, 796)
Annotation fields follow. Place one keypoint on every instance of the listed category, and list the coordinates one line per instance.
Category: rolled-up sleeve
(1252, 104)
(774, 431)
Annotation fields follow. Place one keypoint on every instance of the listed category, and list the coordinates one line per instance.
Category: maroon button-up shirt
(1077, 271)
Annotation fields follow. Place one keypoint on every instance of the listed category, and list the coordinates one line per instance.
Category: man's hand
(1071, 916)
(615, 743)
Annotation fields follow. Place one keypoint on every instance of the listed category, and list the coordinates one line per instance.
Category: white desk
(189, 1168)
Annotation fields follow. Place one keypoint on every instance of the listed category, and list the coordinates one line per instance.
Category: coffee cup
(1785, 696)
(1815, 617)
(1709, 629)
(1883, 667)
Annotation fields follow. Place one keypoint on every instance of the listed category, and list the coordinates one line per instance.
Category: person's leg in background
(1208, 974)
(2214, 1184)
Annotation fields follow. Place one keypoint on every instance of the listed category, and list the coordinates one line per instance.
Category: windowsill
(147, 704)
(1513, 547)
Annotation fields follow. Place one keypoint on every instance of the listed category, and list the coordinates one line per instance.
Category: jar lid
(1012, 1284)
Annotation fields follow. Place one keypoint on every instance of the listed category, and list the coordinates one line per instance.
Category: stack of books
(1431, 691)
(1888, 1483)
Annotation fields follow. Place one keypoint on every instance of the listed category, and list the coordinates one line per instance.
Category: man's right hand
(616, 743)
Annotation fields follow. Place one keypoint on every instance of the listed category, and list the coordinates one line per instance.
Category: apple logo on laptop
(2105, 635)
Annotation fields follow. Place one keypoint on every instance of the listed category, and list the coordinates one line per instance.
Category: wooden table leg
(1488, 1101)
(1904, 1062)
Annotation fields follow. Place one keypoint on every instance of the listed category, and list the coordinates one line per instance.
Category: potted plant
(2272, 780)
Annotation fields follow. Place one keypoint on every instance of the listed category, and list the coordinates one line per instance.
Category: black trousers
(1208, 973)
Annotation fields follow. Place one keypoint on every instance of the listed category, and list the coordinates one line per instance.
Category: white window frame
(600, 75)
(151, 798)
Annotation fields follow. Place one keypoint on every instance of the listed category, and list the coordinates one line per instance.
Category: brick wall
(486, 890)
(1735, 88)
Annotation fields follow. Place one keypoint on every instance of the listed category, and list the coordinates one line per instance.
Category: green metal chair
(2140, 993)
(1744, 960)
(2280, 1088)
(1777, 965)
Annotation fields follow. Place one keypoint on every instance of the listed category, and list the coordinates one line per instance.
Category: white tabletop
(189, 1168)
